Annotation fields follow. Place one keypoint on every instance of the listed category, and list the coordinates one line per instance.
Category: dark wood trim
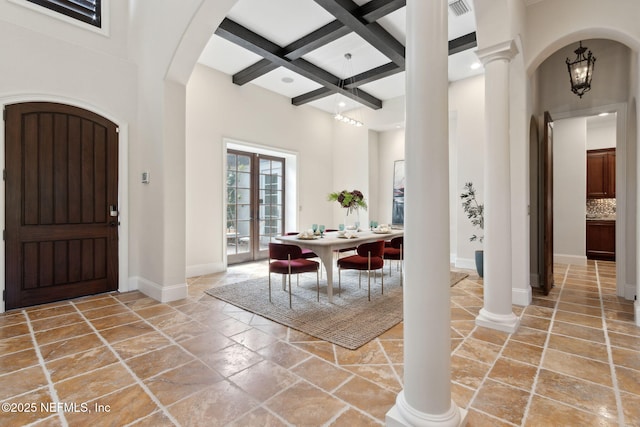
(462, 43)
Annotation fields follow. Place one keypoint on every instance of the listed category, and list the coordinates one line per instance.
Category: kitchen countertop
(601, 218)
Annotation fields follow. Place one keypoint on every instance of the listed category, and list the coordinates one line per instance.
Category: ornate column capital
(505, 51)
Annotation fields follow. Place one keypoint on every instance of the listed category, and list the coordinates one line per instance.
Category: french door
(255, 204)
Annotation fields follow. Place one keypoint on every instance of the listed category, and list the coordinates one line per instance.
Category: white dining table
(325, 246)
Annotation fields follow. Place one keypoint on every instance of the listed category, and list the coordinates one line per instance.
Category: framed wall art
(397, 212)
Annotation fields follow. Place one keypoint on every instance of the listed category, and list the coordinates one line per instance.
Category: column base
(403, 415)
(506, 323)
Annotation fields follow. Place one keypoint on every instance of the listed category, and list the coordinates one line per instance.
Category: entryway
(61, 182)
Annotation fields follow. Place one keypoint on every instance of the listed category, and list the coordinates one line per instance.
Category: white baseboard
(570, 259)
(521, 297)
(630, 292)
(204, 269)
(469, 264)
(161, 293)
(506, 323)
(637, 310)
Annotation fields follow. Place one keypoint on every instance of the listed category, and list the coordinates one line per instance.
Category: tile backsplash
(601, 207)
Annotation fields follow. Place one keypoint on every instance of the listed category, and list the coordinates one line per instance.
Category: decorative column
(497, 312)
(426, 397)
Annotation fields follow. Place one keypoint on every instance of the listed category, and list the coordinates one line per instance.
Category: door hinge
(4, 295)
(4, 234)
(4, 114)
(4, 174)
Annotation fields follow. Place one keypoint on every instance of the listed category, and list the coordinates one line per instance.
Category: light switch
(145, 177)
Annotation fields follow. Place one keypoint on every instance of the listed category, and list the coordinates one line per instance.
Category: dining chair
(306, 253)
(286, 259)
(393, 250)
(368, 257)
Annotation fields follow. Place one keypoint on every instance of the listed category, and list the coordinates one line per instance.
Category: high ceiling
(297, 48)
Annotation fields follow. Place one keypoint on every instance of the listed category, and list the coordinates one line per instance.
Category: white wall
(466, 99)
(218, 109)
(390, 148)
(601, 133)
(569, 186)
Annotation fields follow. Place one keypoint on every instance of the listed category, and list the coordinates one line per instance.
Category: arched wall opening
(611, 88)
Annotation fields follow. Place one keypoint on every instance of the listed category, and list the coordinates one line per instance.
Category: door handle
(114, 224)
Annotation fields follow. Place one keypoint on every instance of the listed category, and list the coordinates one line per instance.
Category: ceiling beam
(346, 12)
(377, 9)
(468, 41)
(318, 38)
(257, 44)
(314, 95)
(254, 71)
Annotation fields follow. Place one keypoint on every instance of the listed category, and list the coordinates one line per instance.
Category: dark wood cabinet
(601, 240)
(601, 173)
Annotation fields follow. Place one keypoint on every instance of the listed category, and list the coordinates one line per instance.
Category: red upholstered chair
(393, 250)
(285, 259)
(368, 257)
(306, 253)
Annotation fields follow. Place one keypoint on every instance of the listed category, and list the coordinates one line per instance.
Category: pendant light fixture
(347, 83)
(581, 71)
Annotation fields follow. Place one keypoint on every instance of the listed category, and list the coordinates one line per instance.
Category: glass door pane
(270, 201)
(239, 190)
(255, 204)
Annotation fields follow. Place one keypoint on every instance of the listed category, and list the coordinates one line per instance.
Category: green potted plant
(475, 213)
(352, 201)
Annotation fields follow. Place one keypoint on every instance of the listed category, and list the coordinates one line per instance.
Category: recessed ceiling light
(342, 104)
(287, 80)
(603, 114)
(475, 65)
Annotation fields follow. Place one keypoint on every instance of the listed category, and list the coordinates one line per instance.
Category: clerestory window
(88, 11)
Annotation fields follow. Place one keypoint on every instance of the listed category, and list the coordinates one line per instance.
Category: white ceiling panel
(281, 21)
(460, 65)
(387, 88)
(331, 56)
(225, 56)
(286, 83)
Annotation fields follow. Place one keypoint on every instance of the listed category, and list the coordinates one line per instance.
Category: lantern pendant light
(581, 71)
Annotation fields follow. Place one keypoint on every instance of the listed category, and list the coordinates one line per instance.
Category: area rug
(350, 321)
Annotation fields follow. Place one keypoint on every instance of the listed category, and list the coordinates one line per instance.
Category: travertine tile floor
(124, 359)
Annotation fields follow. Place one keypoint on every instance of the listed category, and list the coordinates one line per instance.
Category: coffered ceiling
(297, 48)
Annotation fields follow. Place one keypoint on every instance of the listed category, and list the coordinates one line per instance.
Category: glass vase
(352, 219)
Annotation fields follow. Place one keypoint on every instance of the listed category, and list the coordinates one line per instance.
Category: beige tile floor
(124, 359)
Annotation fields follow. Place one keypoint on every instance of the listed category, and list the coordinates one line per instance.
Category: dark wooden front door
(61, 203)
(547, 159)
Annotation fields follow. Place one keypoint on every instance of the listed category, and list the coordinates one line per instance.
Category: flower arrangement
(350, 200)
(473, 209)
